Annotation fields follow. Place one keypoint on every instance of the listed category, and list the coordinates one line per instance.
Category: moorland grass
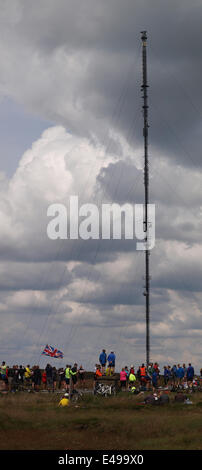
(34, 421)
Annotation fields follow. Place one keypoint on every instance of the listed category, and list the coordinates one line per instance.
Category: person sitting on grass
(151, 399)
(163, 398)
(134, 391)
(64, 400)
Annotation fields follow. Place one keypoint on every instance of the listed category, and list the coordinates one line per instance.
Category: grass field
(35, 422)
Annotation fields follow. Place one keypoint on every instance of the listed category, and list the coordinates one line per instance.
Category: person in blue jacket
(180, 374)
(174, 374)
(154, 379)
(190, 374)
(111, 362)
(165, 375)
(103, 360)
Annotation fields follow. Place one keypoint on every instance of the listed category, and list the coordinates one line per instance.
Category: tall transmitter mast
(146, 186)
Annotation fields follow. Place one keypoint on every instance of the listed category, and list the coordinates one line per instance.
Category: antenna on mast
(146, 186)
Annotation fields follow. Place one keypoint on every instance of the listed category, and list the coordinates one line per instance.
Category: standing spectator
(21, 372)
(67, 376)
(3, 370)
(49, 375)
(155, 379)
(156, 367)
(54, 378)
(127, 374)
(139, 374)
(37, 378)
(4, 374)
(142, 375)
(28, 374)
(132, 379)
(174, 374)
(111, 362)
(132, 370)
(185, 370)
(6, 380)
(10, 377)
(81, 376)
(14, 381)
(103, 360)
(180, 374)
(123, 378)
(44, 380)
(165, 375)
(61, 378)
(33, 369)
(169, 374)
(190, 374)
(150, 369)
(74, 373)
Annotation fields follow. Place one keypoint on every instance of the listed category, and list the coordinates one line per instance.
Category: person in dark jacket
(21, 372)
(55, 377)
(73, 374)
(61, 378)
(49, 376)
(37, 378)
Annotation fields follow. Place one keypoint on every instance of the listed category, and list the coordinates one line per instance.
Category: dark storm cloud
(107, 35)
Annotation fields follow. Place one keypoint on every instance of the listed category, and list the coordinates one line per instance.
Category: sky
(71, 124)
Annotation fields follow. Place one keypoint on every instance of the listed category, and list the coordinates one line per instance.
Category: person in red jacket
(44, 380)
(132, 370)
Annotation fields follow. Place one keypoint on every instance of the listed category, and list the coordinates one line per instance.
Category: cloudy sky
(71, 124)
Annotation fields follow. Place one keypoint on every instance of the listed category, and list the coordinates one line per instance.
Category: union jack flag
(52, 352)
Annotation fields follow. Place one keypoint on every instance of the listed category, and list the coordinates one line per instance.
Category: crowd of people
(150, 376)
(51, 378)
(147, 376)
